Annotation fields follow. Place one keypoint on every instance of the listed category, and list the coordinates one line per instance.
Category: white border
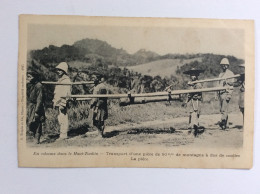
(28, 180)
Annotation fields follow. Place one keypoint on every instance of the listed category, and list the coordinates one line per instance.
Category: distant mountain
(92, 50)
(99, 47)
(88, 56)
(97, 53)
(112, 56)
(144, 56)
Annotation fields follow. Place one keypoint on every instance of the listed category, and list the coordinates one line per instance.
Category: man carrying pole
(99, 105)
(241, 82)
(35, 107)
(193, 101)
(59, 102)
(225, 95)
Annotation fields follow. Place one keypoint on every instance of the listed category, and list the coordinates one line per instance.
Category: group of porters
(98, 105)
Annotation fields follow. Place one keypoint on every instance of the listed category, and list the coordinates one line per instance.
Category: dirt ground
(166, 133)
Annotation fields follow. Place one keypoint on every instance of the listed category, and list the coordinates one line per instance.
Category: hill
(155, 72)
(162, 67)
(92, 51)
(144, 56)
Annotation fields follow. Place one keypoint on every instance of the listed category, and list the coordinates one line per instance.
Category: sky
(162, 40)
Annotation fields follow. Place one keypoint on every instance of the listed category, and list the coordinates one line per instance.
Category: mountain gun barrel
(175, 92)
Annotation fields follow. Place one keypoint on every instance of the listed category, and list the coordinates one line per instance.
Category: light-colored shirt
(225, 75)
(62, 91)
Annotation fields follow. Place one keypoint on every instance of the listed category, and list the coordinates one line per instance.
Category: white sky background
(160, 40)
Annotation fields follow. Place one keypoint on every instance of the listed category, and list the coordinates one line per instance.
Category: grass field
(151, 124)
(163, 67)
(167, 133)
(133, 114)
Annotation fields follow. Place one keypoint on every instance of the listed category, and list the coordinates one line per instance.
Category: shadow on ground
(151, 131)
(238, 126)
(78, 131)
(110, 134)
(72, 133)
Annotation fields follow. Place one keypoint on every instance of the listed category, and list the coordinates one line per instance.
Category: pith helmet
(193, 71)
(63, 66)
(224, 61)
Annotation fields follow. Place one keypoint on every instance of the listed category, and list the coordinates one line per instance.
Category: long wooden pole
(72, 83)
(151, 99)
(140, 100)
(84, 99)
(212, 80)
(175, 92)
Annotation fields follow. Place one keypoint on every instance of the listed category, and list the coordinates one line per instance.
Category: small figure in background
(136, 84)
(35, 106)
(193, 101)
(61, 103)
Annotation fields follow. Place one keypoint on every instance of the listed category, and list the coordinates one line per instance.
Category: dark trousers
(36, 129)
(99, 124)
(224, 103)
(242, 111)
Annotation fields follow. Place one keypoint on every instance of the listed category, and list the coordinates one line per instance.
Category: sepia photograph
(135, 92)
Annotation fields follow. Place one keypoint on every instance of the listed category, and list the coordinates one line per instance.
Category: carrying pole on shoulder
(214, 79)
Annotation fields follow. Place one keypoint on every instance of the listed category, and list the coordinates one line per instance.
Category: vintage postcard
(135, 92)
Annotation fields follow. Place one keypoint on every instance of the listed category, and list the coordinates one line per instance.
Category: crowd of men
(98, 106)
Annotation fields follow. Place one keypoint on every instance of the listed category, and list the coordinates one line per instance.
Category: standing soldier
(35, 107)
(59, 102)
(225, 95)
(136, 84)
(142, 87)
(193, 101)
(99, 105)
(241, 82)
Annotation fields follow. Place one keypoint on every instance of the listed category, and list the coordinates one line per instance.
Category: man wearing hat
(35, 104)
(225, 95)
(59, 102)
(99, 105)
(241, 82)
(193, 101)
